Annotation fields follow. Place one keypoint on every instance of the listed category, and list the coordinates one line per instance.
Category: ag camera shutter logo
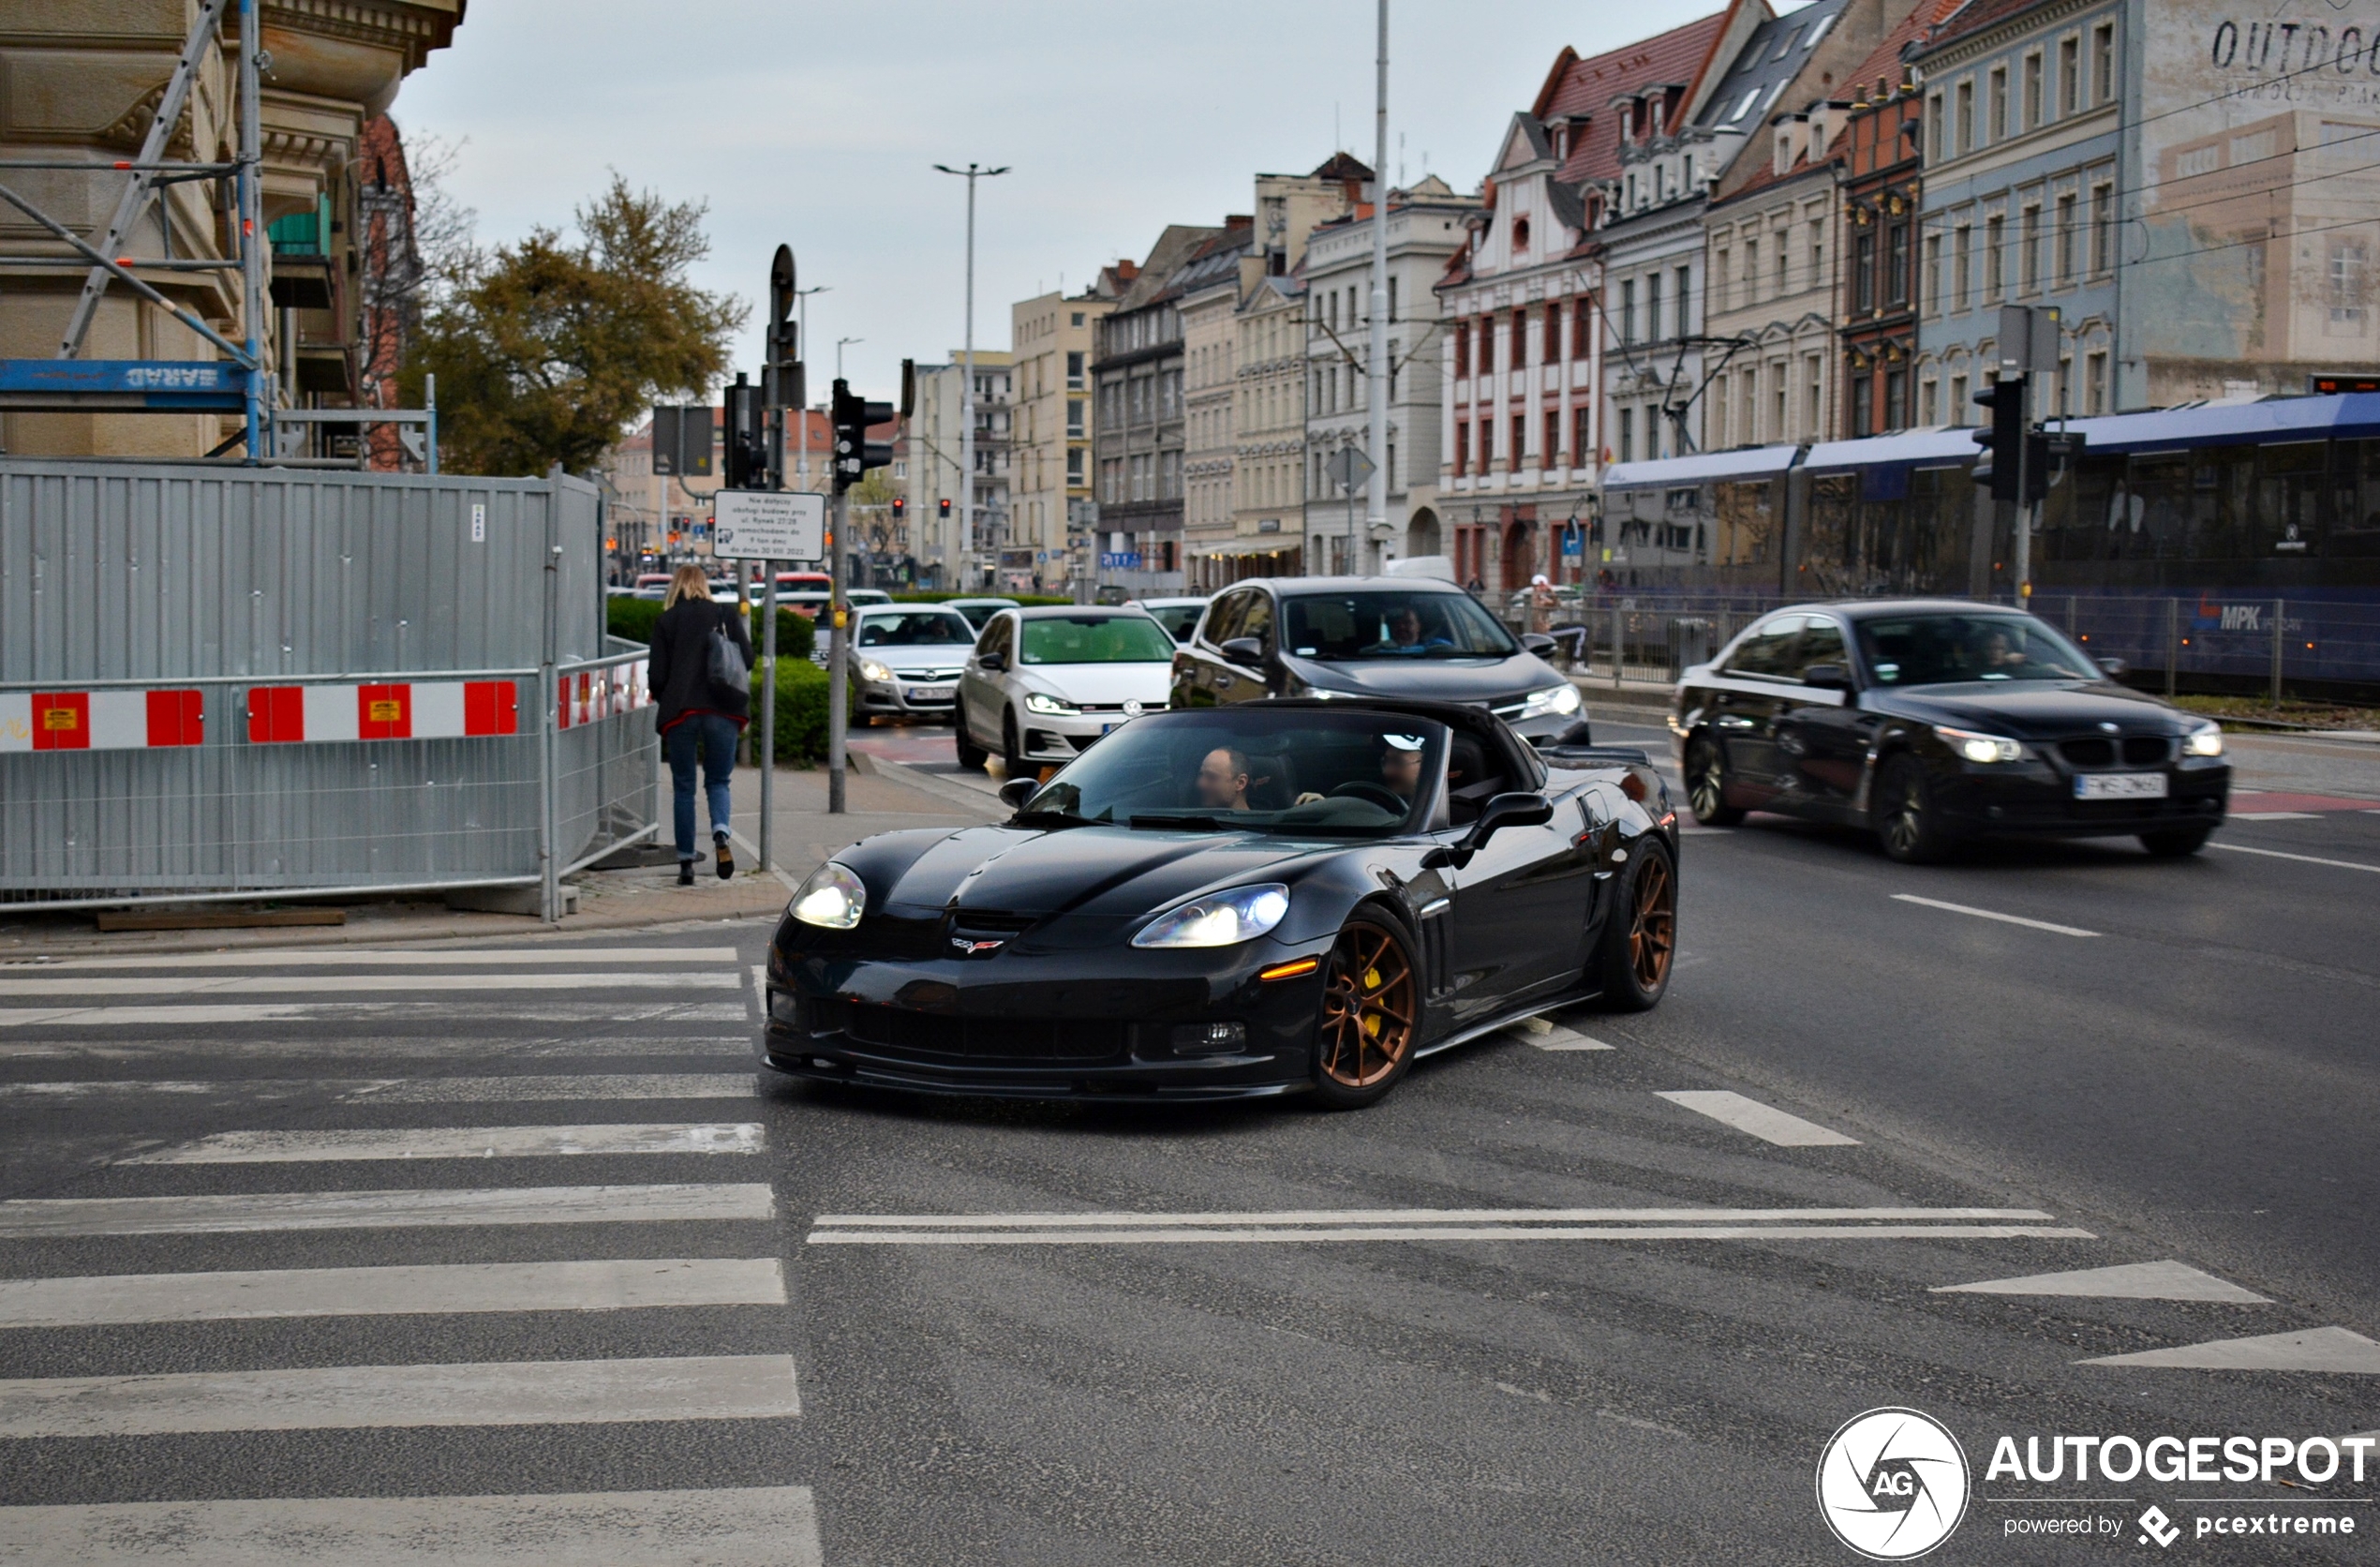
(1893, 1484)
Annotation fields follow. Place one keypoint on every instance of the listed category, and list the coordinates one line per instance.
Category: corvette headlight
(1224, 920)
(1979, 748)
(1563, 698)
(831, 899)
(2203, 742)
(870, 670)
(1040, 702)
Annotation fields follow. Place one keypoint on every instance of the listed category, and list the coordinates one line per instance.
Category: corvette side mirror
(1014, 793)
(1826, 676)
(1518, 808)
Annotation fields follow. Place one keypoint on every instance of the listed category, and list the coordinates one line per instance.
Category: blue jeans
(708, 741)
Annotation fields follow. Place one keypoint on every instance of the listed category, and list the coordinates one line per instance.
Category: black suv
(1328, 637)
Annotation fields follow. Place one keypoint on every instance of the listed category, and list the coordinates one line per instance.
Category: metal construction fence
(220, 683)
(2167, 642)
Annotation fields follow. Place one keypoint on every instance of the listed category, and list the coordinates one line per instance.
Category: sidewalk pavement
(637, 895)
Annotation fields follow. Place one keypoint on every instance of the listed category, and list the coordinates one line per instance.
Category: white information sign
(768, 525)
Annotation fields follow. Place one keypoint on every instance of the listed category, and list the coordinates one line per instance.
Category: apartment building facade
(1213, 284)
(950, 554)
(1136, 443)
(1051, 417)
(1772, 262)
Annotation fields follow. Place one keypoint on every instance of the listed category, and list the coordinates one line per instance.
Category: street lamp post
(1375, 499)
(967, 357)
(801, 335)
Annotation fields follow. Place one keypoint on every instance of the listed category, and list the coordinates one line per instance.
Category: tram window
(2355, 518)
(2288, 515)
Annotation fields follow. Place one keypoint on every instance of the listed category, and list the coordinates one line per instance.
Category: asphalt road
(513, 1224)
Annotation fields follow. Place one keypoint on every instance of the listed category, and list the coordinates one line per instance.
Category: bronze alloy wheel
(1368, 1008)
(1652, 934)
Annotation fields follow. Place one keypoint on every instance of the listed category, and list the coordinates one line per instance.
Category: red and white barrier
(101, 720)
(412, 710)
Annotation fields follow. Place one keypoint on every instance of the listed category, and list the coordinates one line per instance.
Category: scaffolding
(242, 380)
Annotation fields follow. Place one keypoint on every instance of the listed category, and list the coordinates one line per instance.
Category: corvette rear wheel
(1371, 1013)
(1639, 936)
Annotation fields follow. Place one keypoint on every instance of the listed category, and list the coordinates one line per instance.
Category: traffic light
(855, 454)
(2000, 438)
(943, 507)
(747, 437)
(901, 509)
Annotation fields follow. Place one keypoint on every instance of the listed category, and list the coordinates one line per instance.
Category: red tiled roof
(1956, 19)
(1577, 86)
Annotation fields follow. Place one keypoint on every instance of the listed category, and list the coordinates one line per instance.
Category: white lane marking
(390, 1011)
(2130, 1281)
(594, 1085)
(625, 1284)
(460, 1143)
(1228, 1218)
(381, 1049)
(410, 1091)
(2302, 858)
(1705, 832)
(2274, 817)
(307, 984)
(355, 1397)
(1448, 1233)
(760, 991)
(1991, 914)
(760, 1526)
(1765, 1122)
(2333, 1350)
(46, 1218)
(1559, 1038)
(356, 957)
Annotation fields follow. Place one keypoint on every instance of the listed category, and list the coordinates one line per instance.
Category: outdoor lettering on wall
(2259, 164)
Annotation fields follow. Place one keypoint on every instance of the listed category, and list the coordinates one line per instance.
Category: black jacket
(680, 672)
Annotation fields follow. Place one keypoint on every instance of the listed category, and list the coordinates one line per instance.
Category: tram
(2227, 540)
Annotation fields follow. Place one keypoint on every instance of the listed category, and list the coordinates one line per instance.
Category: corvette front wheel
(1371, 1016)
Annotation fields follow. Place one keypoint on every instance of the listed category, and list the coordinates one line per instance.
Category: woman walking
(700, 662)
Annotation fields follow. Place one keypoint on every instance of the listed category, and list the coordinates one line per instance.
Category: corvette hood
(1094, 872)
(2033, 710)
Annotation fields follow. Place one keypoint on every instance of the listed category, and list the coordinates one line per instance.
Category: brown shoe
(726, 861)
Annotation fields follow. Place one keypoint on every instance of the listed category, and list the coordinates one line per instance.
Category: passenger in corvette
(1223, 780)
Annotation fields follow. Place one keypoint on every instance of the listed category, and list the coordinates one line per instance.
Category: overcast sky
(817, 125)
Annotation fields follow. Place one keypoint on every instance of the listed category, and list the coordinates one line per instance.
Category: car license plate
(2120, 785)
(930, 693)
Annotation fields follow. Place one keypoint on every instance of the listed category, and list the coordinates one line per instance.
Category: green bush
(635, 618)
(801, 711)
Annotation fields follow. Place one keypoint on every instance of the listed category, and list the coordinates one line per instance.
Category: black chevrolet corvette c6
(1232, 903)
(1932, 721)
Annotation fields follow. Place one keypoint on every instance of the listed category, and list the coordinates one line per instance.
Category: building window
(2103, 62)
(2065, 240)
(1995, 256)
(1074, 369)
(1963, 123)
(1896, 264)
(1932, 299)
(1653, 308)
(1897, 400)
(1552, 456)
(1074, 409)
(1751, 272)
(1752, 400)
(1934, 147)
(1518, 456)
(1929, 402)
(1519, 339)
(1863, 270)
(1581, 320)
(2033, 97)
(1628, 435)
(1077, 318)
(1722, 268)
(1684, 288)
(1487, 444)
(2102, 227)
(1392, 297)
(1487, 345)
(2095, 382)
(1073, 467)
(1462, 446)
(2029, 250)
(1779, 290)
(1553, 331)
(1862, 411)
(1817, 254)
(1814, 405)
(1627, 311)
(2347, 283)
(1581, 443)
(1462, 352)
(1957, 409)
(1998, 103)
(1169, 476)
(2069, 75)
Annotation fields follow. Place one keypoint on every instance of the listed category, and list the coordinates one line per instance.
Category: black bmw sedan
(1329, 637)
(1267, 898)
(1937, 721)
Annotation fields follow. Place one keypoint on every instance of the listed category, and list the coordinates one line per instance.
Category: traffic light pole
(2022, 559)
(838, 687)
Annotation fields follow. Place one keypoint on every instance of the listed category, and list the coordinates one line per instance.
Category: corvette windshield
(1247, 771)
(1096, 639)
(1393, 625)
(1942, 650)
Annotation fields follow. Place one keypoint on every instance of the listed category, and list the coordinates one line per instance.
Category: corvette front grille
(905, 1032)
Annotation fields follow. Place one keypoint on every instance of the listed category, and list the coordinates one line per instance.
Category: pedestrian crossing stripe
(385, 957)
(293, 984)
(461, 1142)
(211, 1214)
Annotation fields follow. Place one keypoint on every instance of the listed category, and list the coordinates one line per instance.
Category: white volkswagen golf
(1044, 682)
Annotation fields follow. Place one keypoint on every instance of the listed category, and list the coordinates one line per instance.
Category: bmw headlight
(1563, 698)
(1056, 706)
(870, 670)
(831, 899)
(1979, 748)
(1224, 920)
(2203, 742)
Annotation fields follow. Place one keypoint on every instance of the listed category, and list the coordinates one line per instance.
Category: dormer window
(1520, 233)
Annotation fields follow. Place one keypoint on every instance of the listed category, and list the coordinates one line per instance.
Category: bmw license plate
(930, 693)
(2120, 785)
